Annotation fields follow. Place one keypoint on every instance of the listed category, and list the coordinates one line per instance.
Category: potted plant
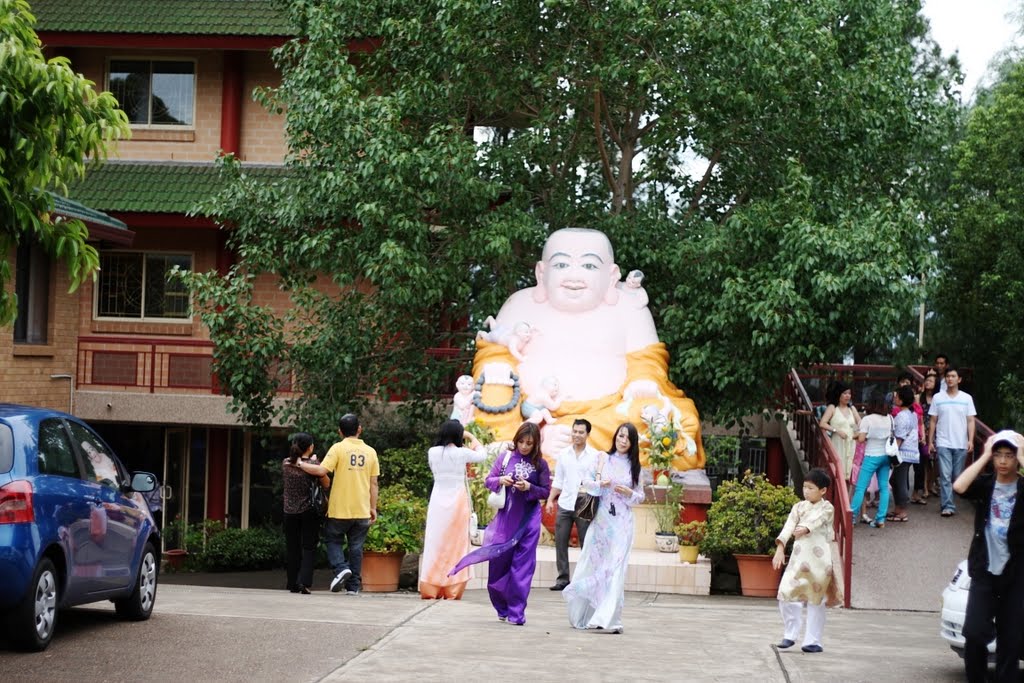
(744, 522)
(401, 520)
(660, 441)
(690, 536)
(666, 517)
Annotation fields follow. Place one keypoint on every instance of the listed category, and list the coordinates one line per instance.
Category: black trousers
(995, 607)
(301, 533)
(563, 531)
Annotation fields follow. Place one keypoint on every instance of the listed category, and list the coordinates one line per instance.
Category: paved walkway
(207, 633)
(906, 565)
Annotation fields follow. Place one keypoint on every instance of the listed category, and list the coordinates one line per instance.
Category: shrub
(401, 520)
(407, 467)
(243, 550)
(691, 533)
(747, 516)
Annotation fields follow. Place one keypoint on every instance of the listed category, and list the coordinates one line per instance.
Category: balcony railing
(147, 365)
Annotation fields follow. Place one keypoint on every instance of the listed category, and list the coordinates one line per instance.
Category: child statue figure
(463, 400)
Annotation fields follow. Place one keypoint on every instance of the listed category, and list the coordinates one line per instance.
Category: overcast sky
(979, 29)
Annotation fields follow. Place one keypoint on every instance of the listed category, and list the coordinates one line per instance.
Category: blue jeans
(337, 531)
(951, 464)
(873, 464)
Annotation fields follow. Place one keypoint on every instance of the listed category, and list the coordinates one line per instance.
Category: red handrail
(820, 453)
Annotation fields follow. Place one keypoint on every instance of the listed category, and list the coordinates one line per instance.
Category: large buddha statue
(580, 344)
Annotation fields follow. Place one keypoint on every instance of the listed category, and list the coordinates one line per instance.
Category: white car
(954, 609)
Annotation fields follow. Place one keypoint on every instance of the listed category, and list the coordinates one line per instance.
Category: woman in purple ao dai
(510, 541)
(597, 591)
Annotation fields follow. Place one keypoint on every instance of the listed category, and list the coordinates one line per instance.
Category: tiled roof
(154, 187)
(72, 209)
(182, 17)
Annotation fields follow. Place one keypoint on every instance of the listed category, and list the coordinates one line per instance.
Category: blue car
(74, 526)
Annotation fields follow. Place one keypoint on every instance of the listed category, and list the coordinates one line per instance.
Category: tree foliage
(764, 163)
(980, 298)
(53, 124)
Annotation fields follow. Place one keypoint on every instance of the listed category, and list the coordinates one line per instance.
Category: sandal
(864, 519)
(896, 518)
(876, 525)
(919, 501)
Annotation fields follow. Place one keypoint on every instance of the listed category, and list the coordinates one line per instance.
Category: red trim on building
(217, 474)
(105, 233)
(231, 103)
(160, 41)
(139, 219)
(52, 39)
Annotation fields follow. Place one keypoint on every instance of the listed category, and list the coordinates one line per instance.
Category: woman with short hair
(874, 431)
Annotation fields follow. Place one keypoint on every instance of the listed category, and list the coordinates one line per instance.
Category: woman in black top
(301, 521)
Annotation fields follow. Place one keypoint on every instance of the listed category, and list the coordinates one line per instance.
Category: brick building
(123, 352)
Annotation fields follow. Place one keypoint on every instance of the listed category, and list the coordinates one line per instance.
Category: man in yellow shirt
(352, 507)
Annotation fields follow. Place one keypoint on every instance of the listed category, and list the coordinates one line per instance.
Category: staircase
(903, 562)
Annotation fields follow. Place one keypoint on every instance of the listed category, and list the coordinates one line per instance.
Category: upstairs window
(155, 92)
(134, 285)
(32, 285)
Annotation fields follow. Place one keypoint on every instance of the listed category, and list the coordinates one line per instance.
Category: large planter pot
(688, 553)
(667, 543)
(381, 571)
(758, 579)
(175, 559)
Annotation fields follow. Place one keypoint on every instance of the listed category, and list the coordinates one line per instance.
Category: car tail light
(16, 503)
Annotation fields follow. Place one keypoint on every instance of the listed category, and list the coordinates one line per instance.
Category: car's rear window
(6, 449)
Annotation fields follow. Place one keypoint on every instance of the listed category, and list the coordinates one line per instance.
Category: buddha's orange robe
(650, 363)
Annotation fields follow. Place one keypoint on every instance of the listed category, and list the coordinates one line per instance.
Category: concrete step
(649, 571)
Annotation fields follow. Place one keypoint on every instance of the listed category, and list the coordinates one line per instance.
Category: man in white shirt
(576, 462)
(950, 435)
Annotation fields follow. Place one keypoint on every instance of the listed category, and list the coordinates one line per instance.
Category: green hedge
(243, 550)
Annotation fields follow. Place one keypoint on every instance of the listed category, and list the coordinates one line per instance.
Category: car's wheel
(34, 620)
(139, 605)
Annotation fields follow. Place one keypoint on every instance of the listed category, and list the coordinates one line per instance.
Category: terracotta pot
(175, 559)
(381, 571)
(757, 577)
(688, 553)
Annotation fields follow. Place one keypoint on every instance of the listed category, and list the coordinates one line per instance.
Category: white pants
(793, 621)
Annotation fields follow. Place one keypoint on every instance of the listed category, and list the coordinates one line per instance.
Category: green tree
(426, 172)
(53, 124)
(980, 298)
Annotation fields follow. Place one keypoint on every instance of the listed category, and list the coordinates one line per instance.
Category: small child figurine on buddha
(463, 400)
(537, 407)
(634, 290)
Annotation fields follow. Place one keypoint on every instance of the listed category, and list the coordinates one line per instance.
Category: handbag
(496, 499)
(892, 448)
(586, 504)
(317, 496)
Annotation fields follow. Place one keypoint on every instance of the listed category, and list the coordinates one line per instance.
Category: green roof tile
(181, 17)
(154, 187)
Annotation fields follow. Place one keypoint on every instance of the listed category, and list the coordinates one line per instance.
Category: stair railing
(818, 450)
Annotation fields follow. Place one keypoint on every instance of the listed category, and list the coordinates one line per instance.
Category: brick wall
(25, 369)
(263, 135)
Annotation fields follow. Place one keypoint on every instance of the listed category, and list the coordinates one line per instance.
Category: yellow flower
(666, 441)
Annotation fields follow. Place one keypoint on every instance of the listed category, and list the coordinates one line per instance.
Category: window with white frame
(135, 285)
(155, 92)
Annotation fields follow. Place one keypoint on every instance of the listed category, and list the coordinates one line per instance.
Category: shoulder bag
(317, 496)
(586, 504)
(496, 499)
(892, 448)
